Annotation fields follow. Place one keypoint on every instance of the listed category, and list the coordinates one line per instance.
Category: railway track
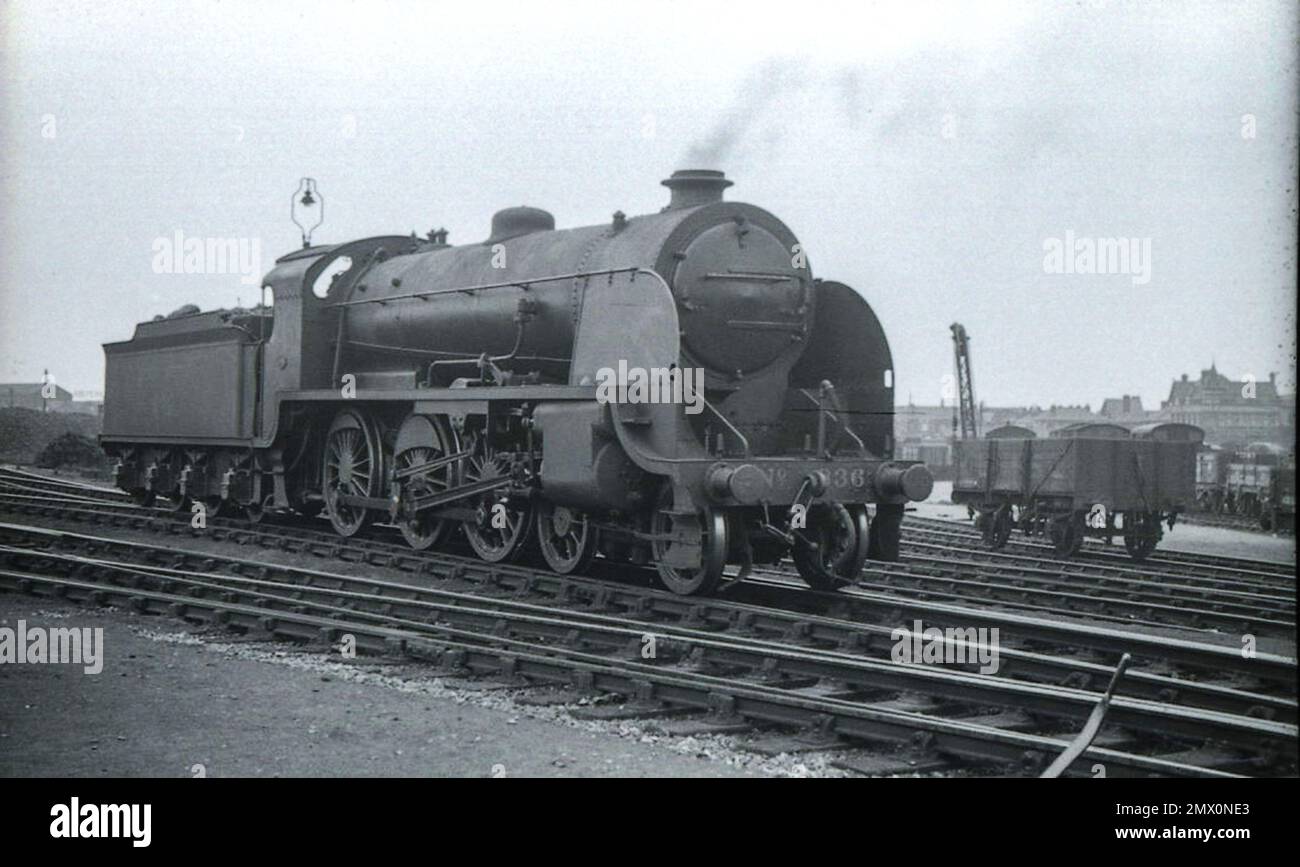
(1149, 601)
(1179, 563)
(1115, 594)
(1231, 522)
(15, 478)
(1166, 562)
(772, 588)
(949, 579)
(774, 607)
(850, 691)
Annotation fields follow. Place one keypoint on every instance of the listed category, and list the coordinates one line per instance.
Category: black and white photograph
(405, 394)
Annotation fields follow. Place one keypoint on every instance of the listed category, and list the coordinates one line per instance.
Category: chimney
(692, 188)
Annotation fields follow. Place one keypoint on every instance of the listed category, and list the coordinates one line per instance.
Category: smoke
(767, 84)
(759, 111)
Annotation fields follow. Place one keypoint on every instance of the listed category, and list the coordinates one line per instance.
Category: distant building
(1232, 412)
(84, 407)
(1044, 421)
(1128, 411)
(31, 395)
(925, 433)
(918, 423)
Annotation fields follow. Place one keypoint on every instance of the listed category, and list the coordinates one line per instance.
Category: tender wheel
(421, 440)
(1067, 535)
(177, 501)
(256, 512)
(215, 507)
(1141, 534)
(711, 526)
(142, 497)
(352, 465)
(566, 537)
(502, 530)
(829, 553)
(997, 528)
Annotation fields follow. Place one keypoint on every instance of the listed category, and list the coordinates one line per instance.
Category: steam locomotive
(503, 390)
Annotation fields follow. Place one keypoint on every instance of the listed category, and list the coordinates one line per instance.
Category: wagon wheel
(567, 538)
(830, 551)
(1067, 535)
(712, 528)
(997, 528)
(501, 529)
(425, 531)
(352, 465)
(1141, 537)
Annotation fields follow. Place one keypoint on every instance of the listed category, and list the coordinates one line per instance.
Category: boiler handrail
(521, 284)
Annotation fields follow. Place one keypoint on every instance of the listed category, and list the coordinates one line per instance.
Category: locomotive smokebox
(694, 187)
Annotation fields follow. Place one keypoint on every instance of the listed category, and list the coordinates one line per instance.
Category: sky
(954, 162)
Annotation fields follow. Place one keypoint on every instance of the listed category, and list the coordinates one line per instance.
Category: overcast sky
(931, 156)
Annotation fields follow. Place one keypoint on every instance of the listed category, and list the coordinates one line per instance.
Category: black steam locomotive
(673, 388)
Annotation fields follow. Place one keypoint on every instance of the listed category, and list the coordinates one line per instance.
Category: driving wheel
(501, 529)
(420, 441)
(567, 538)
(352, 467)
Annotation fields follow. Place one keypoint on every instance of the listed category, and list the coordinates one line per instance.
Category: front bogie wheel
(831, 550)
(708, 526)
